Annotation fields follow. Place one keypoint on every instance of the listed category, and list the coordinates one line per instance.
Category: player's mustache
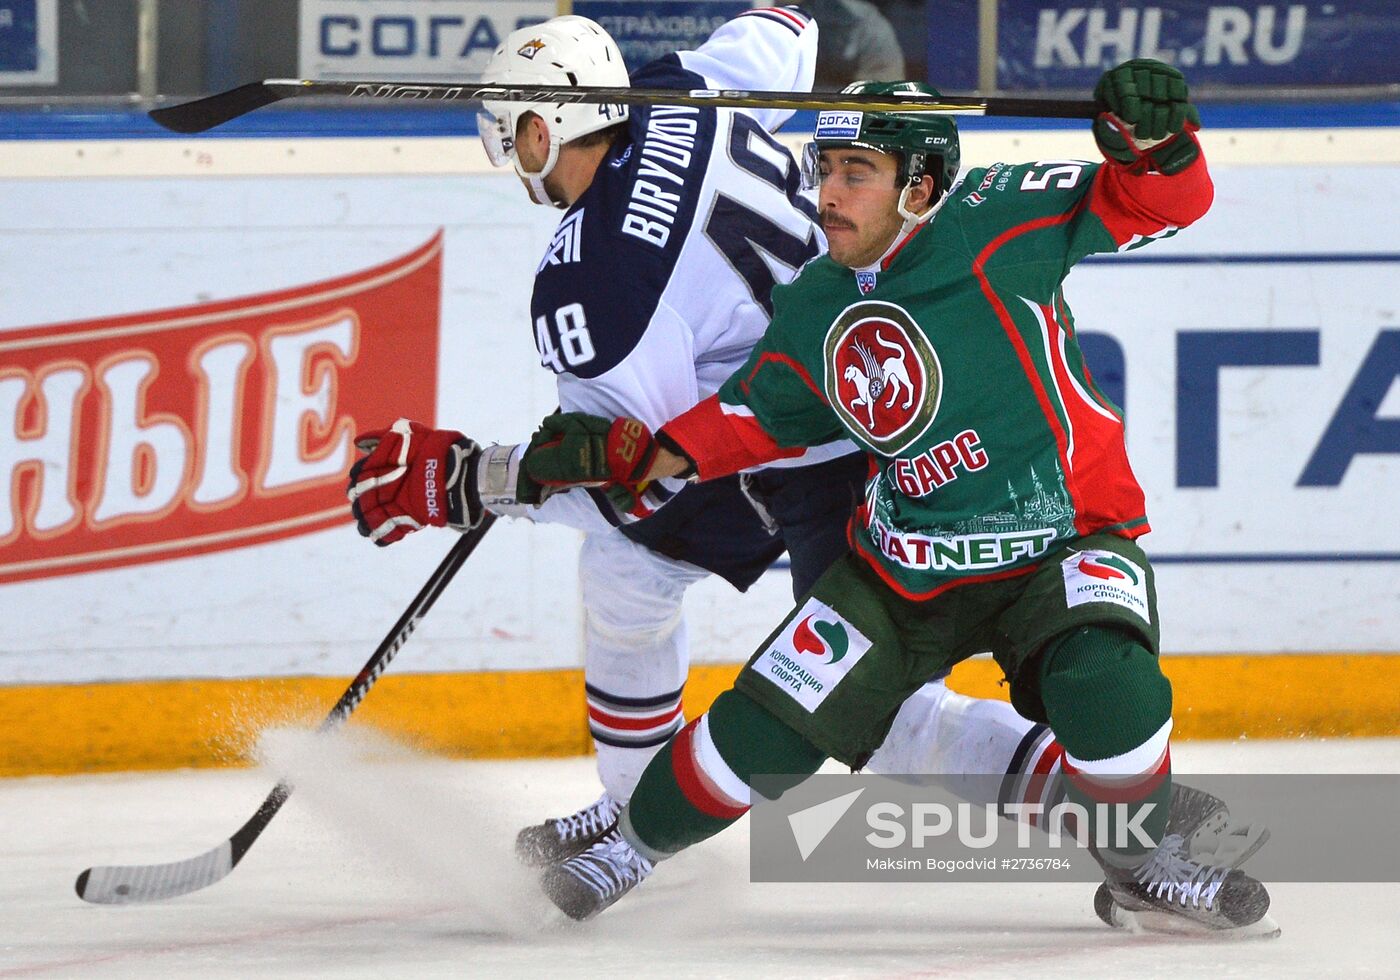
(830, 220)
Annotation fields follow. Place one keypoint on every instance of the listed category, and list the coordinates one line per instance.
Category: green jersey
(953, 362)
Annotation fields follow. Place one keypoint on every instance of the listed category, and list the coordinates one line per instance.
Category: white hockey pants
(636, 652)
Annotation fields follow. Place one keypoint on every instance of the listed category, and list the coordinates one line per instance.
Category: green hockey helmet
(924, 143)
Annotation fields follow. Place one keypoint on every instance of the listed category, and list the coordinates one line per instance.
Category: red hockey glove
(413, 476)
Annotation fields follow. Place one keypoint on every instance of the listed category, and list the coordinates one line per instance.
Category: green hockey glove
(1148, 116)
(576, 449)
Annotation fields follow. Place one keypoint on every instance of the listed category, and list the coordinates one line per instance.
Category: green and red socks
(699, 783)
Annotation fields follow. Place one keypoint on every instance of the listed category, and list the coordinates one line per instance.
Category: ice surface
(390, 864)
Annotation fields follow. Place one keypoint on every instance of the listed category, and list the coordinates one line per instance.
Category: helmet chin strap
(912, 220)
(538, 194)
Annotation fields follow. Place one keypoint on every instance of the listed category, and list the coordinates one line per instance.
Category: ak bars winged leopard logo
(875, 375)
(882, 375)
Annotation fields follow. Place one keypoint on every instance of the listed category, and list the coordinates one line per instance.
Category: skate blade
(1151, 922)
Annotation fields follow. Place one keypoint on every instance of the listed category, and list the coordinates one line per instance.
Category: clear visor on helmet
(496, 137)
(812, 169)
(812, 164)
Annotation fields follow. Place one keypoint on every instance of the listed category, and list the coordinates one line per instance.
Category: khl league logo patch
(1103, 576)
(865, 279)
(815, 650)
(882, 375)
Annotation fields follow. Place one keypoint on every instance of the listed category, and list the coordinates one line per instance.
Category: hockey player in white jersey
(678, 222)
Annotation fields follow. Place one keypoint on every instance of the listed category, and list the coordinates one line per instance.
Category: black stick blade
(215, 110)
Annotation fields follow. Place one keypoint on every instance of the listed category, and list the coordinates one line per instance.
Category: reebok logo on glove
(412, 477)
(430, 488)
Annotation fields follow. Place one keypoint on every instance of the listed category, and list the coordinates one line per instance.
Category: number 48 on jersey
(565, 343)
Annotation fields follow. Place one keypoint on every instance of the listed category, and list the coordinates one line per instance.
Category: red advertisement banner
(156, 435)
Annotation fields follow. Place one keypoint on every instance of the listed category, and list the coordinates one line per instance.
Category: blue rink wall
(1255, 354)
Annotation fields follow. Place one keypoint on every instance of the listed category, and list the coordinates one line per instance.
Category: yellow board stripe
(76, 728)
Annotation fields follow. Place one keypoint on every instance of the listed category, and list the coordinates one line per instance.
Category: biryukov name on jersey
(667, 153)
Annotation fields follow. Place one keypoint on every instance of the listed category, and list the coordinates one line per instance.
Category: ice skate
(1169, 892)
(587, 883)
(1203, 821)
(560, 838)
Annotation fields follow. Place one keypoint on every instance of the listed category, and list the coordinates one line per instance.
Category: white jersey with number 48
(657, 283)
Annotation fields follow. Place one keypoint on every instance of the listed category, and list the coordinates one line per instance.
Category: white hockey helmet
(562, 52)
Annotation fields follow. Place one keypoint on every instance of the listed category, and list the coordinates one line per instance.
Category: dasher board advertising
(28, 42)
(415, 40)
(1063, 44)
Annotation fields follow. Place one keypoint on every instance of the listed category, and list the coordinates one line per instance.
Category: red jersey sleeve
(723, 439)
(1135, 205)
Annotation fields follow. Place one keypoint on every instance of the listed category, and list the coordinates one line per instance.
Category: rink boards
(192, 330)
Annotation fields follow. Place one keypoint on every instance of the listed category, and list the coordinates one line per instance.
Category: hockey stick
(117, 885)
(215, 110)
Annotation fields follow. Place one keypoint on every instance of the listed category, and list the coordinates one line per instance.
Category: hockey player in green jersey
(1000, 513)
